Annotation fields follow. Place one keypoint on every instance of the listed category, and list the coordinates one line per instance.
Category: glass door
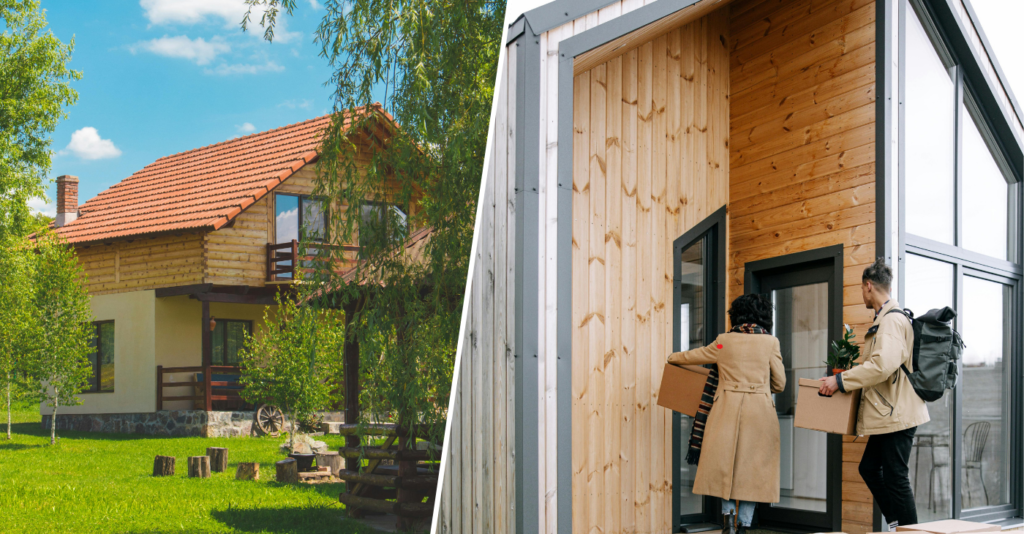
(803, 289)
(698, 312)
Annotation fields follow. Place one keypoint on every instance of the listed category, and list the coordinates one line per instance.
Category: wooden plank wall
(802, 154)
(650, 160)
(478, 491)
(145, 263)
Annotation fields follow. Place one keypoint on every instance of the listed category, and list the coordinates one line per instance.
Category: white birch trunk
(53, 419)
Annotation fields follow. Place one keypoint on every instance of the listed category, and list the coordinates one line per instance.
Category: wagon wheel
(269, 420)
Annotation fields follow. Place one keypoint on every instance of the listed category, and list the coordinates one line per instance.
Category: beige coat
(888, 402)
(739, 457)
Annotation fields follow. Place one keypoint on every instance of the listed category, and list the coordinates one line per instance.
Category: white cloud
(225, 69)
(87, 144)
(230, 12)
(314, 4)
(40, 205)
(292, 104)
(245, 128)
(200, 51)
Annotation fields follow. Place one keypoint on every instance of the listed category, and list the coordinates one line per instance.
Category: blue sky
(164, 76)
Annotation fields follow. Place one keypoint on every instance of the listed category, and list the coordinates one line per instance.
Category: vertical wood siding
(802, 155)
(650, 161)
(478, 492)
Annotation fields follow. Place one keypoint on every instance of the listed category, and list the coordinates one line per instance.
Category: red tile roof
(201, 189)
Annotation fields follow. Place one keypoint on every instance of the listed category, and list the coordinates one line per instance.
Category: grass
(92, 482)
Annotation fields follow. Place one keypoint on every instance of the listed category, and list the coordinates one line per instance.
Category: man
(890, 410)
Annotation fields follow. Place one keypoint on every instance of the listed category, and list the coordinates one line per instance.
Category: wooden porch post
(351, 354)
(207, 355)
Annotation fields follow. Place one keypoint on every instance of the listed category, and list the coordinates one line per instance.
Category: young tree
(296, 363)
(17, 320)
(64, 320)
(435, 61)
(35, 88)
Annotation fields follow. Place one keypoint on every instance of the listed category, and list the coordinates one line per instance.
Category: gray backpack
(937, 351)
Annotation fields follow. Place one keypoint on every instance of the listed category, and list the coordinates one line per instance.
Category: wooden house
(654, 159)
(186, 256)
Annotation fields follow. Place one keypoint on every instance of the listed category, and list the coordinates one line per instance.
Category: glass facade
(960, 248)
(929, 142)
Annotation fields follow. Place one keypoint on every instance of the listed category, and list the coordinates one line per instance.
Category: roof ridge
(376, 106)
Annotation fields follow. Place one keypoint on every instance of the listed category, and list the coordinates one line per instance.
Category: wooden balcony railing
(284, 258)
(212, 390)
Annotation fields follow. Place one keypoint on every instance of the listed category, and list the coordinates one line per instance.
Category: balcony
(282, 259)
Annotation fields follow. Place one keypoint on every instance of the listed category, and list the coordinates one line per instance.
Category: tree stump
(248, 471)
(288, 471)
(199, 466)
(329, 459)
(163, 466)
(218, 459)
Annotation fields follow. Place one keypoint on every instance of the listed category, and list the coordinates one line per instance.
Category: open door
(806, 289)
(698, 317)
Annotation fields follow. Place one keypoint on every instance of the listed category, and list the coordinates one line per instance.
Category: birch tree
(17, 321)
(66, 333)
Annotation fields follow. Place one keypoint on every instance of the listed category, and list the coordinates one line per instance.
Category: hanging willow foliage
(435, 62)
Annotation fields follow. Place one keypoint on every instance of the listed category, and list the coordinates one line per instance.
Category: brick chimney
(67, 199)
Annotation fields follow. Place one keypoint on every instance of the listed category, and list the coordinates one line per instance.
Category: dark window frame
(966, 262)
(97, 366)
(712, 232)
(384, 204)
(224, 347)
(325, 212)
(830, 259)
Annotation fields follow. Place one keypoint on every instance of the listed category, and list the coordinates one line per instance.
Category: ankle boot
(729, 523)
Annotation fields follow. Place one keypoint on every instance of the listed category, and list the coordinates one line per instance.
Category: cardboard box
(950, 526)
(836, 414)
(682, 387)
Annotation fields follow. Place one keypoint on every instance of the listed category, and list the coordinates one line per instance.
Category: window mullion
(955, 437)
(958, 129)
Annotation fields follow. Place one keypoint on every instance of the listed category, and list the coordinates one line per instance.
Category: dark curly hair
(752, 308)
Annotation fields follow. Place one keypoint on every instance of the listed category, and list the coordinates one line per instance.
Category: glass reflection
(929, 284)
(986, 195)
(929, 141)
(801, 324)
(692, 336)
(986, 385)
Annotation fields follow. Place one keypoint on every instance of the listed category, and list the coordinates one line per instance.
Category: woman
(739, 461)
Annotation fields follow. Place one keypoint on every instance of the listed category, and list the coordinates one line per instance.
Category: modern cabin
(652, 160)
(184, 258)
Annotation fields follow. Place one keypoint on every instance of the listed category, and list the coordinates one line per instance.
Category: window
(960, 247)
(375, 217)
(102, 358)
(228, 338)
(987, 196)
(929, 144)
(298, 212)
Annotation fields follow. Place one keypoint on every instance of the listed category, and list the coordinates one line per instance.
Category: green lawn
(92, 482)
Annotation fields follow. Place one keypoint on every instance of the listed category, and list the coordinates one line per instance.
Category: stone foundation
(176, 423)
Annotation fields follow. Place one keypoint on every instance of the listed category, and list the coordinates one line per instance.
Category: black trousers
(885, 469)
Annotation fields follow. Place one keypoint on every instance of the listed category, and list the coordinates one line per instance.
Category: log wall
(802, 155)
(651, 160)
(145, 263)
